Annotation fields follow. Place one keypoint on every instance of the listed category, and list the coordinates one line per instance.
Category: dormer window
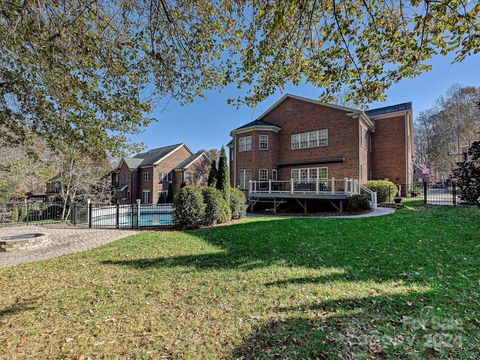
(245, 143)
(263, 142)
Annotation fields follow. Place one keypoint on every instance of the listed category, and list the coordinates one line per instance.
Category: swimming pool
(127, 217)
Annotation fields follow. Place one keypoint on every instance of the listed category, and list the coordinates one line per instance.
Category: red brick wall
(296, 116)
(389, 153)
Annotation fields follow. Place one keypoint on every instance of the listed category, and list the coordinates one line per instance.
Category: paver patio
(64, 240)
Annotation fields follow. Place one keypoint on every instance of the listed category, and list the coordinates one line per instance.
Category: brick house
(305, 141)
(147, 175)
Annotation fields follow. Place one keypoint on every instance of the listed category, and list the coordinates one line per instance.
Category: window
(165, 177)
(245, 143)
(274, 175)
(365, 141)
(146, 196)
(128, 195)
(263, 142)
(310, 139)
(162, 196)
(263, 174)
(244, 177)
(189, 177)
(146, 176)
(310, 174)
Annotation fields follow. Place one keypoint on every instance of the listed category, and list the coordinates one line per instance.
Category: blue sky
(206, 123)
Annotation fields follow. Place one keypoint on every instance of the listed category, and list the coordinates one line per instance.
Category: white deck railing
(322, 186)
(372, 195)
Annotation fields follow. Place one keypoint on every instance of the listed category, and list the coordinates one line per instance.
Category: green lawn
(400, 286)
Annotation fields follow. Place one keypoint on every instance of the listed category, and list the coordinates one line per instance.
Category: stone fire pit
(23, 242)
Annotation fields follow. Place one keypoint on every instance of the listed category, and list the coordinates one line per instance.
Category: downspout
(234, 160)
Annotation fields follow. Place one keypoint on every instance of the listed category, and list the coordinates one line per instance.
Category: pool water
(125, 220)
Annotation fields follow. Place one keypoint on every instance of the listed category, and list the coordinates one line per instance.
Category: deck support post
(274, 205)
(341, 206)
(270, 186)
(305, 207)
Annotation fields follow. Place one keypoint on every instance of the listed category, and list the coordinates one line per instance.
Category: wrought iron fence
(131, 216)
(444, 193)
(32, 213)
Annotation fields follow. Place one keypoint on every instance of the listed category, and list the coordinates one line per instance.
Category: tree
(70, 75)
(81, 178)
(170, 193)
(223, 176)
(467, 175)
(79, 72)
(212, 175)
(447, 127)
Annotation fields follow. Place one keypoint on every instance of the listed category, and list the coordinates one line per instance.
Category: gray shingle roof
(256, 123)
(132, 163)
(150, 157)
(184, 164)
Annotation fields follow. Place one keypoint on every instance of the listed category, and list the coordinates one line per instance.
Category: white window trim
(146, 176)
(309, 178)
(245, 143)
(274, 178)
(306, 139)
(260, 174)
(242, 178)
(146, 192)
(265, 142)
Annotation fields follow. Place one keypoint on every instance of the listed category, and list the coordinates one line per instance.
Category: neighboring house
(147, 175)
(304, 140)
(420, 174)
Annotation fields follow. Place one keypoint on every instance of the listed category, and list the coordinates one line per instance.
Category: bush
(24, 213)
(238, 203)
(214, 204)
(188, 208)
(386, 190)
(15, 215)
(225, 213)
(358, 203)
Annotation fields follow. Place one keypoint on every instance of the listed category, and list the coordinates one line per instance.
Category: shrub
(214, 204)
(188, 208)
(24, 213)
(225, 213)
(386, 190)
(15, 215)
(357, 203)
(238, 203)
(223, 175)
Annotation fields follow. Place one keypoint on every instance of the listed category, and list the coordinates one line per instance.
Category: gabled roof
(257, 123)
(389, 109)
(191, 159)
(301, 98)
(153, 156)
(132, 163)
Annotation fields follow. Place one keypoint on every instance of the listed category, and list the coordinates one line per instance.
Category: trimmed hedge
(357, 203)
(189, 208)
(382, 188)
(238, 203)
(214, 205)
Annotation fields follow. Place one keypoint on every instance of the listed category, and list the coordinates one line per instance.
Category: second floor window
(244, 177)
(245, 143)
(263, 142)
(310, 139)
(146, 176)
(164, 177)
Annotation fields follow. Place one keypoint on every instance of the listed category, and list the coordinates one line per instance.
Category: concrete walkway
(64, 240)
(380, 211)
